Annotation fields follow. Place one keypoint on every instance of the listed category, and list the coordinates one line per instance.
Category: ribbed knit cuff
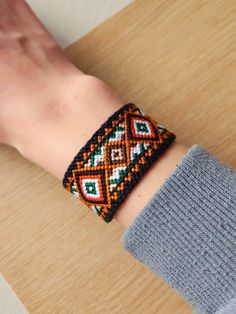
(187, 232)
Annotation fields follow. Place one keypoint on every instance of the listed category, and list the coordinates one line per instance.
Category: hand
(31, 65)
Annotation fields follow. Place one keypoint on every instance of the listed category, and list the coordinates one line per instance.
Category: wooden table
(177, 59)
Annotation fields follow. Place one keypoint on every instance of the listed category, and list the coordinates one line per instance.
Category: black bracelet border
(135, 175)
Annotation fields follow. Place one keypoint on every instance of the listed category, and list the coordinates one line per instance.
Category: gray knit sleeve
(186, 233)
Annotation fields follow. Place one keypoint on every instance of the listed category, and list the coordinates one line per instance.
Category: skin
(49, 108)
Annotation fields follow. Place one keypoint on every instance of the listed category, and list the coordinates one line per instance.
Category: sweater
(186, 233)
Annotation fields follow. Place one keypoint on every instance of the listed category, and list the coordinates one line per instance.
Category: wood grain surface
(177, 59)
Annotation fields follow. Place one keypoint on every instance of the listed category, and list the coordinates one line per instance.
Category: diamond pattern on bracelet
(115, 158)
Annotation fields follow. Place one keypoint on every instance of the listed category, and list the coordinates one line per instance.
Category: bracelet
(115, 158)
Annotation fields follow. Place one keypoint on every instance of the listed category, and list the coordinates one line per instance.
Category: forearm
(66, 122)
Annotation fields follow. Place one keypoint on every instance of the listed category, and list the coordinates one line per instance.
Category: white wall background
(69, 20)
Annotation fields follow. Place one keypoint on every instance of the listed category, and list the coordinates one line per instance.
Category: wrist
(66, 120)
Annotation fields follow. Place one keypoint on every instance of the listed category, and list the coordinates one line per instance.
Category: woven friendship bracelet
(115, 158)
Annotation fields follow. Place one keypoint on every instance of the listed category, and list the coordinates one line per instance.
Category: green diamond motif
(91, 188)
(142, 127)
